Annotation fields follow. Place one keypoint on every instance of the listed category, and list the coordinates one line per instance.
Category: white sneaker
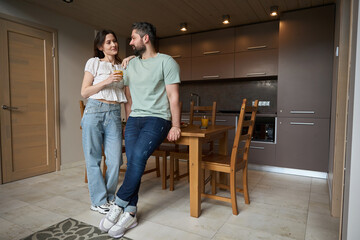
(125, 222)
(103, 209)
(111, 218)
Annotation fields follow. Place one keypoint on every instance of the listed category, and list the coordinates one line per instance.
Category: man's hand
(174, 134)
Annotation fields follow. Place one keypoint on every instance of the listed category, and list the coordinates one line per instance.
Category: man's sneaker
(103, 209)
(125, 222)
(111, 218)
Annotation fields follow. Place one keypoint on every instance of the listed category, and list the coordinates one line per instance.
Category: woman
(101, 122)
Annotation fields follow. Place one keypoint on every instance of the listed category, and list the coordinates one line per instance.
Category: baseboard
(291, 171)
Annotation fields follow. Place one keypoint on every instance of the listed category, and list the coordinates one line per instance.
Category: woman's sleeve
(91, 66)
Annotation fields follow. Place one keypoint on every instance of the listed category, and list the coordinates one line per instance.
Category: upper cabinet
(236, 52)
(177, 47)
(213, 55)
(257, 36)
(213, 42)
(306, 47)
(256, 47)
(180, 49)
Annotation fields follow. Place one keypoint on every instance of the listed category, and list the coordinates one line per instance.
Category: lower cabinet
(303, 143)
(262, 153)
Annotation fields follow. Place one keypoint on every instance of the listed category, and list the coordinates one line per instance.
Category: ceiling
(166, 15)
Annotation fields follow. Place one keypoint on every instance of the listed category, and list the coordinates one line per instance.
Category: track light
(183, 27)
(274, 11)
(226, 19)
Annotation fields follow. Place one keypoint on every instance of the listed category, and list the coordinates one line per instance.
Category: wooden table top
(195, 131)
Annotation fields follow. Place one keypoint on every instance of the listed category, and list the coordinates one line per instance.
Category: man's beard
(140, 50)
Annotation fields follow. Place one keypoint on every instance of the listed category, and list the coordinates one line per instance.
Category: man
(153, 111)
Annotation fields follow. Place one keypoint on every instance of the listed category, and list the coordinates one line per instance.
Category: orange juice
(118, 72)
(204, 122)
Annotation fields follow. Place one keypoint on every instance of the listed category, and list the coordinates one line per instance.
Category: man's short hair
(143, 28)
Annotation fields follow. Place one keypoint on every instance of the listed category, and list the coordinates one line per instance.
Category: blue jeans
(142, 136)
(101, 125)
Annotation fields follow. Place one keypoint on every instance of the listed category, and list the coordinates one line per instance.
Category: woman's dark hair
(143, 28)
(99, 41)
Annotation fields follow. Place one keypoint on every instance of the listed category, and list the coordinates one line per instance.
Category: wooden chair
(234, 163)
(183, 153)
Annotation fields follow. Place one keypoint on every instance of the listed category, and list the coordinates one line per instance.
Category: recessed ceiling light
(68, 1)
(274, 11)
(226, 19)
(183, 27)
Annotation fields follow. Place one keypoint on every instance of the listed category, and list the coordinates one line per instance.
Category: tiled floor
(282, 207)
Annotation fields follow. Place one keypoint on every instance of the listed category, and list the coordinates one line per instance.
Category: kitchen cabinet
(303, 143)
(256, 63)
(212, 67)
(257, 36)
(177, 47)
(262, 153)
(256, 48)
(180, 49)
(306, 49)
(185, 68)
(213, 42)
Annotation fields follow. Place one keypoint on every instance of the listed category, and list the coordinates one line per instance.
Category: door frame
(56, 83)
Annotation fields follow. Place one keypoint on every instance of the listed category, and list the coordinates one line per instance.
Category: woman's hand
(113, 78)
(174, 134)
(126, 61)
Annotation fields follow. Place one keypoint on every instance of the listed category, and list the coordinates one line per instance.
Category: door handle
(5, 107)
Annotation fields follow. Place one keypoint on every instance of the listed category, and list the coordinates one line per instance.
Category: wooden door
(27, 101)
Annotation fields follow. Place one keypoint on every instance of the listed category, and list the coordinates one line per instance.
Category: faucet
(197, 99)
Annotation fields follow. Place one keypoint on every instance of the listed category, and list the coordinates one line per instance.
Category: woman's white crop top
(101, 71)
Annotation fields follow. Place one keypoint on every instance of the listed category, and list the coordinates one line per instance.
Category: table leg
(195, 150)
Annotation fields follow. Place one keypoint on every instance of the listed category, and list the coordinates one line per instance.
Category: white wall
(75, 46)
(351, 209)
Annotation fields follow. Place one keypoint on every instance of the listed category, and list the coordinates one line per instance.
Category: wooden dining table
(194, 137)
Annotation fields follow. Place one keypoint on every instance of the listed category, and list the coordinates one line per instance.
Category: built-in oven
(264, 128)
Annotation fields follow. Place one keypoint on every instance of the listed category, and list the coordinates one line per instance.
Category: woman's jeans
(101, 125)
(142, 136)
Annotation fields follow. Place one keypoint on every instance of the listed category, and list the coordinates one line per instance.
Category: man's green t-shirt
(146, 79)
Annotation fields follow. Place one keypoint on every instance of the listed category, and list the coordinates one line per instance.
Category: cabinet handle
(253, 147)
(220, 120)
(302, 123)
(302, 112)
(5, 107)
(211, 52)
(211, 76)
(257, 47)
(256, 74)
(176, 56)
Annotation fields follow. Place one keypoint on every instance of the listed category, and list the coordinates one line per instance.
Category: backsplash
(229, 93)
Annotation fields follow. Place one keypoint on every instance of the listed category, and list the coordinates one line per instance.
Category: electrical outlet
(262, 103)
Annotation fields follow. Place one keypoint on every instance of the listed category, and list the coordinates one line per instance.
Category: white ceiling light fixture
(274, 11)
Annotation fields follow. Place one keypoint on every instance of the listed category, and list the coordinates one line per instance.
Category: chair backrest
(82, 108)
(207, 110)
(244, 132)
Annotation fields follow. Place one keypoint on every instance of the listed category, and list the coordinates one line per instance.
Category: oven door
(264, 129)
